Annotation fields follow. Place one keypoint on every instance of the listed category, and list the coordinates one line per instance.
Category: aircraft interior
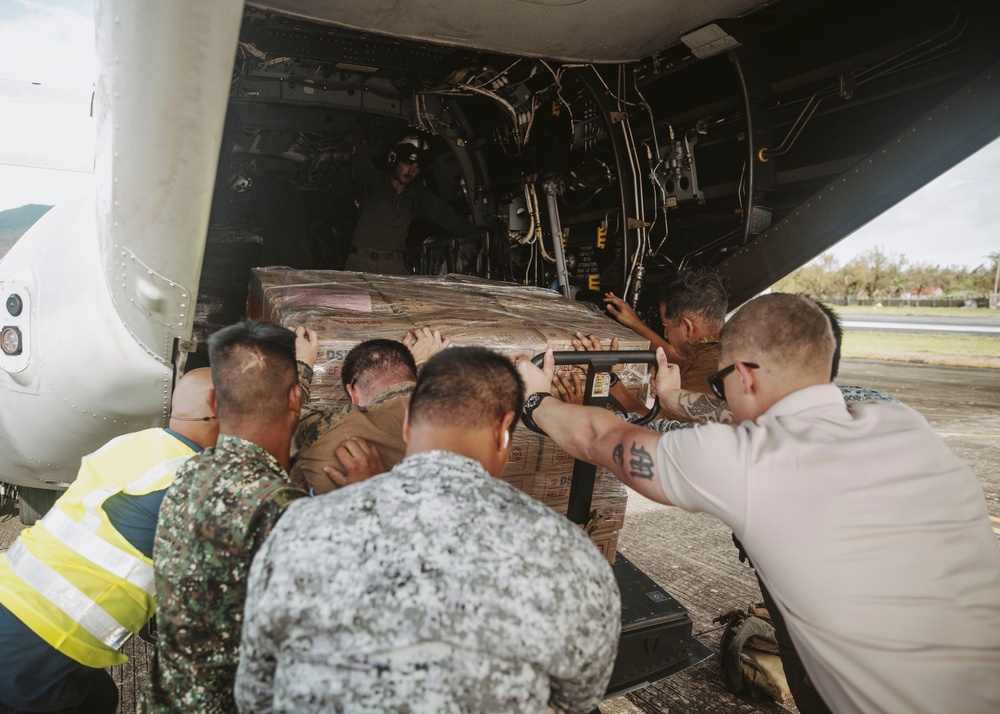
(750, 145)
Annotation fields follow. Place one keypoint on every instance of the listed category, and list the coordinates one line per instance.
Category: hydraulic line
(553, 188)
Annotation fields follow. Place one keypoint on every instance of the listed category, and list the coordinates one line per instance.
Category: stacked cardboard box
(346, 308)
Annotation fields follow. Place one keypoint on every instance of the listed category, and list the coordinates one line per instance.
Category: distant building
(931, 291)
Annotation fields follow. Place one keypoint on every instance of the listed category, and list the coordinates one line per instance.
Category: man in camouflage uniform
(436, 586)
(378, 376)
(221, 507)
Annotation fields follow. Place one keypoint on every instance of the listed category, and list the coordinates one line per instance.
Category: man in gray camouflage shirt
(434, 587)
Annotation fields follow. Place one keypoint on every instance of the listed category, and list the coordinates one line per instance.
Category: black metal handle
(581, 489)
(603, 362)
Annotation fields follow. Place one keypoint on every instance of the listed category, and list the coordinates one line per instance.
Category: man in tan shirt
(378, 376)
(692, 311)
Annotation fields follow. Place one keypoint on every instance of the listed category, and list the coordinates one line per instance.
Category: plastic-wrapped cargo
(345, 308)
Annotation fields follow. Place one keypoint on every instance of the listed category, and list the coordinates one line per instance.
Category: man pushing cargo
(870, 534)
(692, 311)
(76, 585)
(378, 376)
(218, 512)
(436, 586)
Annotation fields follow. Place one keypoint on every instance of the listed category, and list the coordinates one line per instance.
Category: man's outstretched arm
(595, 435)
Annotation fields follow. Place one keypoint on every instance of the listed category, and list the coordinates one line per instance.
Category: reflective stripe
(157, 472)
(66, 596)
(96, 498)
(85, 543)
(111, 443)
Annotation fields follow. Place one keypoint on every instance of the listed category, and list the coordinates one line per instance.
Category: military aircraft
(600, 145)
(747, 135)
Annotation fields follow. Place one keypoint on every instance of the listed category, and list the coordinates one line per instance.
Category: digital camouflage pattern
(215, 516)
(865, 394)
(430, 588)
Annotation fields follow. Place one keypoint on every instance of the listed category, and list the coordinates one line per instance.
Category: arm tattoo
(618, 455)
(641, 464)
(705, 408)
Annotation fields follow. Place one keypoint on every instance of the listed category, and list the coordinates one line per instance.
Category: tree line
(877, 274)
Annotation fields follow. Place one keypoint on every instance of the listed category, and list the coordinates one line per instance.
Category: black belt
(379, 254)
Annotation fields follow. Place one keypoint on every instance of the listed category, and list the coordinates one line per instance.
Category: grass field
(953, 350)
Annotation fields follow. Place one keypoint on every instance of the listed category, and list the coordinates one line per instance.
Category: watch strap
(530, 404)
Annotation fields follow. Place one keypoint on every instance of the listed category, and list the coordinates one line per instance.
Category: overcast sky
(952, 221)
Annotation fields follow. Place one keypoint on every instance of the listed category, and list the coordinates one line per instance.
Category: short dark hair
(253, 365)
(838, 335)
(695, 293)
(470, 386)
(373, 359)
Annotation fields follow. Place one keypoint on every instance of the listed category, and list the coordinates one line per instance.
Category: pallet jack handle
(581, 490)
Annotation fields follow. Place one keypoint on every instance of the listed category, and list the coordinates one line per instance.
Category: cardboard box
(550, 487)
(521, 482)
(553, 460)
(346, 308)
(607, 544)
(523, 460)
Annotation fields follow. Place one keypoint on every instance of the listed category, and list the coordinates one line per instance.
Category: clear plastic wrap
(346, 308)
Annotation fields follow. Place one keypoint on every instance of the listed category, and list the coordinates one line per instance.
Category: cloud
(47, 71)
(47, 42)
(953, 220)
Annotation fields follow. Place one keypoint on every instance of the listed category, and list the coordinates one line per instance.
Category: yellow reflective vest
(72, 578)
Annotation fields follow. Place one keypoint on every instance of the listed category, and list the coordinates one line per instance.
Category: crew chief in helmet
(389, 202)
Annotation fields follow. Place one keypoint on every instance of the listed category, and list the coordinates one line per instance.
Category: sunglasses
(715, 380)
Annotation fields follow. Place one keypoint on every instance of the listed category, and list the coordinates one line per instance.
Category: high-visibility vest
(72, 578)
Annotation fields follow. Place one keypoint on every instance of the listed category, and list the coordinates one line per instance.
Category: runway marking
(975, 436)
(918, 327)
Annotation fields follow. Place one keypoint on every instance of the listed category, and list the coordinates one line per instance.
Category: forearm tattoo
(705, 408)
(618, 455)
(641, 463)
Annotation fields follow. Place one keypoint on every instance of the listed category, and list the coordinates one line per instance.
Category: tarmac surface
(975, 324)
(693, 558)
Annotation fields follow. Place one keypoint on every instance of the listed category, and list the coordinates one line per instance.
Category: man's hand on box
(360, 460)
(621, 311)
(424, 344)
(535, 379)
(306, 345)
(590, 343)
(569, 387)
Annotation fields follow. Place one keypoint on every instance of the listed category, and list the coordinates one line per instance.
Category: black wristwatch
(530, 404)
